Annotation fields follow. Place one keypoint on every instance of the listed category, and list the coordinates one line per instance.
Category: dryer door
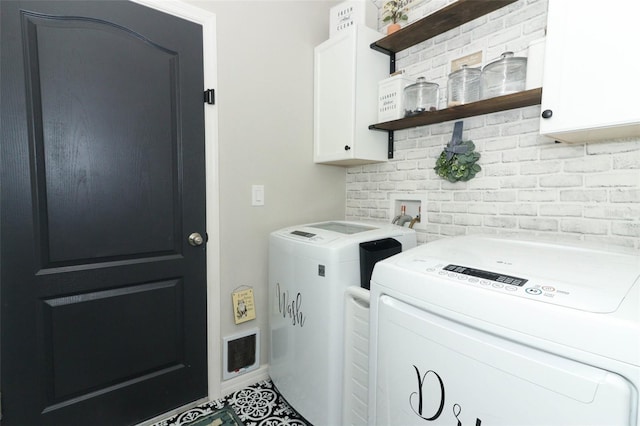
(433, 371)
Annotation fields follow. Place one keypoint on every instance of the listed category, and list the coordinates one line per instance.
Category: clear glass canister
(420, 96)
(506, 75)
(463, 86)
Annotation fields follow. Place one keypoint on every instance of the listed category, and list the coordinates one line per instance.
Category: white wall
(528, 183)
(265, 107)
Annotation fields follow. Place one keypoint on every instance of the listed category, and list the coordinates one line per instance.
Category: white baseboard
(252, 377)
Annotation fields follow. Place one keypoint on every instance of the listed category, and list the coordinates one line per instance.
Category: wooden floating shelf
(438, 22)
(486, 106)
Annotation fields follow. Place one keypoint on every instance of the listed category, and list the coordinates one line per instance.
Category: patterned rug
(256, 405)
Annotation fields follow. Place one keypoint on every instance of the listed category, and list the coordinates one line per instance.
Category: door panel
(76, 125)
(103, 301)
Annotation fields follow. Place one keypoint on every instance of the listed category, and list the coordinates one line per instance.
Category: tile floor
(256, 405)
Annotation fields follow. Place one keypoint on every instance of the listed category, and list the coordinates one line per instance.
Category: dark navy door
(103, 298)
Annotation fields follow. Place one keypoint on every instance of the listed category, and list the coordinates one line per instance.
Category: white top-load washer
(310, 266)
(486, 331)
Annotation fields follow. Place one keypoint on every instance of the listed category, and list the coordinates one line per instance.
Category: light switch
(257, 195)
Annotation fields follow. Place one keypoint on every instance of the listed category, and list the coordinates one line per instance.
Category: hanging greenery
(458, 161)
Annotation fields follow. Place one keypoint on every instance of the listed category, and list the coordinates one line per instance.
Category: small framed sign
(244, 308)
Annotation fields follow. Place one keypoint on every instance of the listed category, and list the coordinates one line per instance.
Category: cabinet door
(591, 71)
(334, 97)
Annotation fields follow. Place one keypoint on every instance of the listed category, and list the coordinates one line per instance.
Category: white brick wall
(528, 184)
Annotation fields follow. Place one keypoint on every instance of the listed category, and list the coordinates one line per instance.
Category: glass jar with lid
(506, 75)
(463, 86)
(420, 96)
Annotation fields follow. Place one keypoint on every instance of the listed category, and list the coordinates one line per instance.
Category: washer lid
(589, 279)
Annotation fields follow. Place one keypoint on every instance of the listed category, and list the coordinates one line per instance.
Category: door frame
(207, 20)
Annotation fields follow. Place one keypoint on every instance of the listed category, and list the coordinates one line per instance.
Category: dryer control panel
(543, 289)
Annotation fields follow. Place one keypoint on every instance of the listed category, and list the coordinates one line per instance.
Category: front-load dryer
(310, 267)
(486, 331)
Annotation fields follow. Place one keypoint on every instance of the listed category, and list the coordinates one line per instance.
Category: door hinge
(210, 96)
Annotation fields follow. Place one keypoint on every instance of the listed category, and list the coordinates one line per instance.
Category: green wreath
(458, 161)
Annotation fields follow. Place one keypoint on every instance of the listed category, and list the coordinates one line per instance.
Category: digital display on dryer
(504, 279)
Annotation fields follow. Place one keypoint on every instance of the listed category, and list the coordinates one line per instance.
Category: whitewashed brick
(406, 186)
(613, 147)
(482, 208)
(585, 196)
(483, 132)
(630, 229)
(583, 226)
(618, 211)
(453, 207)
(416, 154)
(451, 230)
(617, 179)
(417, 175)
(387, 186)
(524, 126)
(512, 182)
(540, 168)
(385, 167)
(625, 195)
(518, 209)
(518, 155)
(540, 195)
(501, 144)
(500, 170)
(532, 112)
(629, 160)
(381, 177)
(499, 196)
(397, 176)
(427, 185)
(467, 196)
(560, 181)
(558, 209)
(588, 165)
(538, 224)
(484, 183)
(509, 116)
(467, 220)
(557, 151)
(440, 218)
(491, 27)
(500, 222)
(407, 165)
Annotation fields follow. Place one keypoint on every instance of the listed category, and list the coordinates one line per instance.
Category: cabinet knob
(547, 113)
(347, 147)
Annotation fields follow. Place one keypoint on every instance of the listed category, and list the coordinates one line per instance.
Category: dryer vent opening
(241, 353)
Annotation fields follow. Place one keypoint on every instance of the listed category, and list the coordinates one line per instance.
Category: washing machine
(486, 331)
(310, 267)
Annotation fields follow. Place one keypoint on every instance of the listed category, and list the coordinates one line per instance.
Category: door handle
(195, 239)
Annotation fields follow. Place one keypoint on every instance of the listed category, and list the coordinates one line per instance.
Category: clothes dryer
(310, 267)
(494, 331)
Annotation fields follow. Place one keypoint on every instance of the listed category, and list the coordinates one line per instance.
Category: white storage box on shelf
(390, 97)
(350, 13)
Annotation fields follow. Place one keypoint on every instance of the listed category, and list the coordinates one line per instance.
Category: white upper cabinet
(347, 72)
(591, 83)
